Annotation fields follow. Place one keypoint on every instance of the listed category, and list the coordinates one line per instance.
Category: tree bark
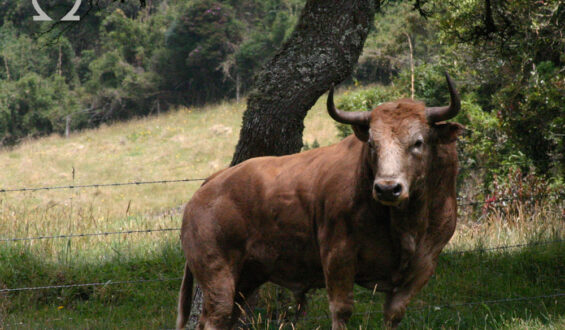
(322, 50)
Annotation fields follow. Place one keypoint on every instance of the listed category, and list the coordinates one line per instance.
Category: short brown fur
(309, 220)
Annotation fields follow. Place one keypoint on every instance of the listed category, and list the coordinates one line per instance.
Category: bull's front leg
(338, 260)
(420, 271)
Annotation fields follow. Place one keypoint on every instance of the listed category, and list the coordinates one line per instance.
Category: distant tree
(198, 41)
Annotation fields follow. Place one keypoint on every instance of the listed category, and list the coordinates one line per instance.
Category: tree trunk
(322, 50)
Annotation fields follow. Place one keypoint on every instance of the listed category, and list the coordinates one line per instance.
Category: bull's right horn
(354, 118)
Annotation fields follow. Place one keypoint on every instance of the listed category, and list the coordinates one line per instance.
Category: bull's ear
(361, 132)
(444, 133)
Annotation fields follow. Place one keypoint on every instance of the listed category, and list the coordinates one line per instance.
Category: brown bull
(375, 209)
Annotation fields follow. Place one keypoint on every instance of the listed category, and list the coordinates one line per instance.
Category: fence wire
(116, 184)
(504, 247)
(99, 185)
(498, 200)
(111, 282)
(125, 232)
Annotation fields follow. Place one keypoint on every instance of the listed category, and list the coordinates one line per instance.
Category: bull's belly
(376, 261)
(294, 263)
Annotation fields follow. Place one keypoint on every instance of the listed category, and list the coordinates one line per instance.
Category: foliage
(198, 41)
(512, 55)
(362, 100)
(261, 46)
(32, 106)
(534, 116)
(387, 51)
(124, 61)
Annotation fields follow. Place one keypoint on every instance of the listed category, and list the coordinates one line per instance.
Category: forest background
(124, 60)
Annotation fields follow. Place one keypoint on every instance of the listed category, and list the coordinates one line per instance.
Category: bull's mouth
(389, 202)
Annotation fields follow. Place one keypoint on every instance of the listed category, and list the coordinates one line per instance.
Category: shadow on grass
(478, 278)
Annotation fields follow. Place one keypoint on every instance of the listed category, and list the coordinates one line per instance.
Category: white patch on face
(394, 157)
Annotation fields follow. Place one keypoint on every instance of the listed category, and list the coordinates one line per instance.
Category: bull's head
(400, 137)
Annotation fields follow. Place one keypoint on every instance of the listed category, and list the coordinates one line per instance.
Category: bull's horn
(435, 114)
(345, 117)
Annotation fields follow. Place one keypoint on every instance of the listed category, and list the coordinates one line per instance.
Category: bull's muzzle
(388, 192)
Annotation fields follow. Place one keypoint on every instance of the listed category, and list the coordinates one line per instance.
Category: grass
(194, 143)
(460, 279)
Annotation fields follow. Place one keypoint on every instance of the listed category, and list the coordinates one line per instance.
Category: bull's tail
(185, 298)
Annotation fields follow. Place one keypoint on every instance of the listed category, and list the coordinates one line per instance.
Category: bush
(33, 106)
(534, 115)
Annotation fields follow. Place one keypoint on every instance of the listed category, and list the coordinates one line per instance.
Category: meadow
(504, 268)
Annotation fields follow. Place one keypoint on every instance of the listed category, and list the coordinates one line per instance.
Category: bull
(375, 209)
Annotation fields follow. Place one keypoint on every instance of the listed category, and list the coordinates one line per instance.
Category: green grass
(192, 143)
(473, 277)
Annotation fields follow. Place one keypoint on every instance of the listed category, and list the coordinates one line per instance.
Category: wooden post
(237, 87)
(412, 90)
(67, 125)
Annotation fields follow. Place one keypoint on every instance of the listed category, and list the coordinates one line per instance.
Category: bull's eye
(372, 147)
(417, 147)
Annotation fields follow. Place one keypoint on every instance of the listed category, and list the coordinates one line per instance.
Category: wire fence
(98, 185)
(281, 323)
(128, 232)
(114, 282)
(130, 183)
(124, 232)
(461, 202)
(78, 285)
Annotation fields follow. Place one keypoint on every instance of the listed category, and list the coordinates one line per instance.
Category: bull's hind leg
(300, 299)
(245, 302)
(219, 293)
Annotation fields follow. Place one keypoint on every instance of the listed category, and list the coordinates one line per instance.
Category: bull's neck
(364, 175)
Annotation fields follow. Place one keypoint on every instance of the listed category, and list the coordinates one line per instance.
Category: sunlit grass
(183, 144)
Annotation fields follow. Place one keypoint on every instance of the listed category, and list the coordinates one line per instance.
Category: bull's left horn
(345, 117)
(435, 114)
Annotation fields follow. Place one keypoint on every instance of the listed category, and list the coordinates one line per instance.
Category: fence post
(67, 125)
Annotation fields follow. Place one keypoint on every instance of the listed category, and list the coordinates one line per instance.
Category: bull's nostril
(378, 189)
(388, 191)
(397, 190)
